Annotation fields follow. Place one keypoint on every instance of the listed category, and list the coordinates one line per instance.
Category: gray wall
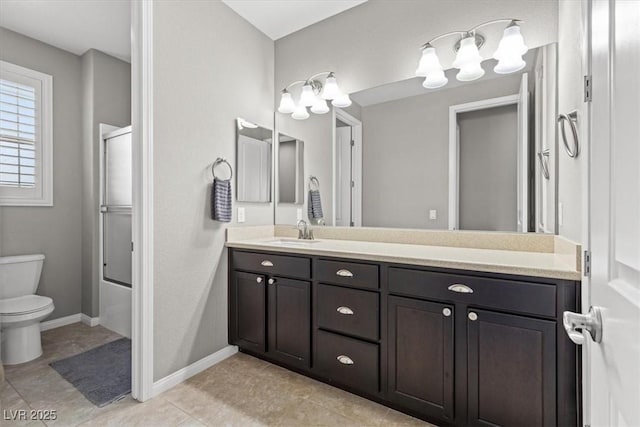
(210, 66)
(570, 75)
(488, 166)
(405, 154)
(106, 86)
(378, 43)
(54, 231)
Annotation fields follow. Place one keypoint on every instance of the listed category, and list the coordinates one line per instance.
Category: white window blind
(18, 134)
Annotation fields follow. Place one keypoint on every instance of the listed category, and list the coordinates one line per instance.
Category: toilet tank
(19, 275)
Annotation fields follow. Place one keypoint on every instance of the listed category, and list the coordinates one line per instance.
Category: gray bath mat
(102, 374)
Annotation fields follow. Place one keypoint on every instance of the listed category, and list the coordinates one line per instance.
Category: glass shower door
(116, 207)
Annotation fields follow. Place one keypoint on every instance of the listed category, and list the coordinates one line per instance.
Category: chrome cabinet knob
(575, 324)
(446, 312)
(345, 360)
(272, 281)
(473, 316)
(259, 279)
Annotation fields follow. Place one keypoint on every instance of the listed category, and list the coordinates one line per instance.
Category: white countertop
(536, 264)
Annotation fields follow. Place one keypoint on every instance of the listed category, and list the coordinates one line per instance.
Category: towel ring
(314, 181)
(574, 149)
(544, 162)
(218, 161)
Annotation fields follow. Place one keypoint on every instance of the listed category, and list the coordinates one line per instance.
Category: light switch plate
(298, 214)
(241, 215)
(433, 214)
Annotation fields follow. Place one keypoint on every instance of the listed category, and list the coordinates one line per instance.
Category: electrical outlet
(241, 215)
(298, 214)
(433, 214)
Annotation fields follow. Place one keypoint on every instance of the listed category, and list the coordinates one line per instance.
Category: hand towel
(314, 205)
(221, 200)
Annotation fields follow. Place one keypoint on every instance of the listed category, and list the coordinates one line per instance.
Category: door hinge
(353, 143)
(353, 224)
(353, 184)
(131, 246)
(586, 269)
(587, 88)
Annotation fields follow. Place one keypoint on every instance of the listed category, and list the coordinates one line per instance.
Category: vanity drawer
(348, 361)
(348, 273)
(351, 311)
(281, 265)
(508, 295)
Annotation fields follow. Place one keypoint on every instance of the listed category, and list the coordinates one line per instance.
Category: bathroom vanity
(476, 344)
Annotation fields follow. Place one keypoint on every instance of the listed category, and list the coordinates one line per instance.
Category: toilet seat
(27, 304)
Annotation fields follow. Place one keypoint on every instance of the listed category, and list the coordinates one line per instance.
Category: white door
(523, 155)
(343, 176)
(612, 367)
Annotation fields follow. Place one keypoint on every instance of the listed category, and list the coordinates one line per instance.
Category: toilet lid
(24, 305)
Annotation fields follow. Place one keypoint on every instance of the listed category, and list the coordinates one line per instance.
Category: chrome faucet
(305, 233)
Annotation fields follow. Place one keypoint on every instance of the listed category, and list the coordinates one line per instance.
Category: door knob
(575, 323)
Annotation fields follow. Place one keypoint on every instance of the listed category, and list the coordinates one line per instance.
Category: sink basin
(292, 242)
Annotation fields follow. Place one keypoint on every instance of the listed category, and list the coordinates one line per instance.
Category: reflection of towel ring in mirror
(218, 161)
(574, 149)
(544, 162)
(314, 181)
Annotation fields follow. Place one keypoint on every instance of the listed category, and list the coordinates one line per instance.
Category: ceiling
(73, 25)
(279, 18)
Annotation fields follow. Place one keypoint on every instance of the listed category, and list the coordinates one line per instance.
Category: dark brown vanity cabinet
(270, 313)
(421, 356)
(452, 347)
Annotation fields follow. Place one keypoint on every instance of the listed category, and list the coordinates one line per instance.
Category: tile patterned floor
(240, 391)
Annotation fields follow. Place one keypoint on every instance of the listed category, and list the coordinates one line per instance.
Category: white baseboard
(90, 321)
(61, 321)
(195, 368)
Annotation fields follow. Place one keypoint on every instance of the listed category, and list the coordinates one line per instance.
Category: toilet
(21, 311)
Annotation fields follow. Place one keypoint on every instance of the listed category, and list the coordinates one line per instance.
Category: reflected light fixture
(468, 58)
(314, 93)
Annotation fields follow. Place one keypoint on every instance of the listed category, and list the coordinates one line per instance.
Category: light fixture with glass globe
(314, 94)
(468, 58)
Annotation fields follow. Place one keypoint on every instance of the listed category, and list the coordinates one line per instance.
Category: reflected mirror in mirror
(290, 170)
(469, 155)
(253, 164)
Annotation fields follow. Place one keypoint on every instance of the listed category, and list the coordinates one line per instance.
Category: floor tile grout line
(184, 411)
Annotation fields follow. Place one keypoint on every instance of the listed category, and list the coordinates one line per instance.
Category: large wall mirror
(254, 147)
(478, 155)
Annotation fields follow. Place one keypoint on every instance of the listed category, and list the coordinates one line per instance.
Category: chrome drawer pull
(463, 289)
(345, 360)
(266, 263)
(344, 310)
(344, 273)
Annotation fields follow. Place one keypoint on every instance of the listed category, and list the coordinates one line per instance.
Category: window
(26, 177)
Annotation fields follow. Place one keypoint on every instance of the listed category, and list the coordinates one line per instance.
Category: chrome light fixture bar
(314, 94)
(468, 59)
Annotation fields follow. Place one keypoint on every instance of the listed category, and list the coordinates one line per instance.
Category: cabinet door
(512, 370)
(249, 311)
(421, 356)
(290, 321)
